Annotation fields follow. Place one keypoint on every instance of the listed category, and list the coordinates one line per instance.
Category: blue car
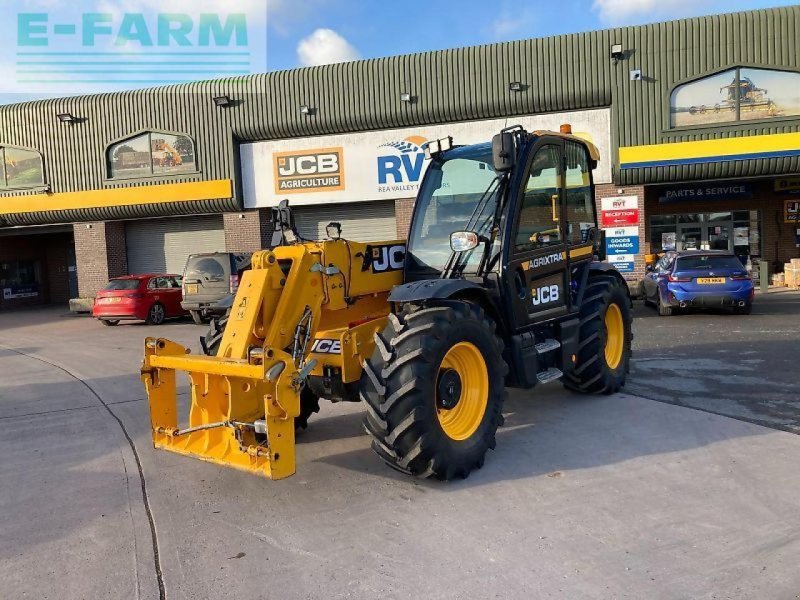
(698, 279)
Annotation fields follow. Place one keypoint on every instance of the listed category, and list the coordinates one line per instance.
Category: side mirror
(461, 241)
(503, 154)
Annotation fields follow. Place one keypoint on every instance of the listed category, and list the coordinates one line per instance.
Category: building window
(152, 153)
(741, 94)
(20, 168)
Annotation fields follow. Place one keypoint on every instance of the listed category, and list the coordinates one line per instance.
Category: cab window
(580, 203)
(539, 223)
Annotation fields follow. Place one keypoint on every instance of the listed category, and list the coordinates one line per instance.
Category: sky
(129, 49)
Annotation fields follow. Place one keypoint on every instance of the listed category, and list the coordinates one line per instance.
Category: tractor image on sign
(499, 285)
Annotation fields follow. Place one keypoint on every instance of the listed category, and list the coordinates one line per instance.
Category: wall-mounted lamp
(515, 86)
(222, 101)
(406, 97)
(617, 53)
(68, 118)
(307, 110)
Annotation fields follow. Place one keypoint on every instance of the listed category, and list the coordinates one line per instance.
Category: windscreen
(116, 285)
(450, 200)
(707, 263)
(212, 268)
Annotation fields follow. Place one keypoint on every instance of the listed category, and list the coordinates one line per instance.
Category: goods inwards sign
(307, 171)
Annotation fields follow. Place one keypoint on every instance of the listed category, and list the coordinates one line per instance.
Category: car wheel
(156, 315)
(663, 311)
(110, 322)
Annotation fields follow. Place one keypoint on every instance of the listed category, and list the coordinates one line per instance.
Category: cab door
(535, 277)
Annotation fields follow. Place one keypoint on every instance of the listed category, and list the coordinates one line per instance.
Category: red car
(149, 298)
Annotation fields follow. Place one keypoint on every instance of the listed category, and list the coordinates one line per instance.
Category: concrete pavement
(600, 497)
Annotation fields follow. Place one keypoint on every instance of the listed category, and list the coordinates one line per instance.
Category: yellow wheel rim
(615, 336)
(464, 375)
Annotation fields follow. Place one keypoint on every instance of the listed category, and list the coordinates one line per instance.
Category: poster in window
(23, 168)
(131, 157)
(768, 93)
(705, 101)
(668, 240)
(172, 153)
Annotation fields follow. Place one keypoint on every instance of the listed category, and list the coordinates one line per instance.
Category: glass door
(689, 237)
(720, 236)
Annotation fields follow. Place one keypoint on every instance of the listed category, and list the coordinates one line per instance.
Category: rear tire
(434, 390)
(663, 311)
(156, 315)
(604, 349)
(197, 317)
(110, 322)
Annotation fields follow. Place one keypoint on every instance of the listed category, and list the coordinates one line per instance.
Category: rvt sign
(400, 169)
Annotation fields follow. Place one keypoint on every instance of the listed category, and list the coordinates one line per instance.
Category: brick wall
(402, 210)
(247, 231)
(609, 190)
(100, 254)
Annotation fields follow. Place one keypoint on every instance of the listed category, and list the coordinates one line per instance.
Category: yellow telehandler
(499, 284)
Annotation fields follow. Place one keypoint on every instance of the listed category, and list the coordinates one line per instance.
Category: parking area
(594, 497)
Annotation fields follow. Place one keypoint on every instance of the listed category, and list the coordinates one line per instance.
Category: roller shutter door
(163, 245)
(361, 222)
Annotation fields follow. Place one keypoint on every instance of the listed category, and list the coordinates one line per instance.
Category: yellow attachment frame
(245, 399)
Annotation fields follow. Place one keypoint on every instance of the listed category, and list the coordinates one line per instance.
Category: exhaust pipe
(683, 304)
(742, 302)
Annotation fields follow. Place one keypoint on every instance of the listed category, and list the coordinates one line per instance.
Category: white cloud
(324, 47)
(618, 12)
(509, 24)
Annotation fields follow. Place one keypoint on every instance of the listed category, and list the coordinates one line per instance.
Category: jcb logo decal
(545, 294)
(307, 171)
(324, 346)
(388, 258)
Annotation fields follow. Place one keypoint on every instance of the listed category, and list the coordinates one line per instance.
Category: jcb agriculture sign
(309, 171)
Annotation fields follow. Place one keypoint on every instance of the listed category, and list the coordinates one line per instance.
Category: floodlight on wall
(307, 110)
(617, 53)
(67, 118)
(222, 101)
(515, 86)
(405, 97)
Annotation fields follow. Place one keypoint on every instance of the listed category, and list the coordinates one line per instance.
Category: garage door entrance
(361, 222)
(163, 245)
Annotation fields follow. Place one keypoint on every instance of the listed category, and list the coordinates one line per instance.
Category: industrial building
(697, 121)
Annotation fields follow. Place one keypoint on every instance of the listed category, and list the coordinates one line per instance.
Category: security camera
(636, 75)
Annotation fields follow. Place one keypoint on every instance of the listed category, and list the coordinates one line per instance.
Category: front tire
(434, 390)
(604, 350)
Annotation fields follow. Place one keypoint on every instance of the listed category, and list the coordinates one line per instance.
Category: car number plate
(192, 288)
(111, 300)
(710, 280)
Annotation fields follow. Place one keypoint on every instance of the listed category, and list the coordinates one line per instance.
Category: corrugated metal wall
(558, 73)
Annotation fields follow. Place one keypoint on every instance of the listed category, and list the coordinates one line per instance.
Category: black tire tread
(396, 386)
(591, 374)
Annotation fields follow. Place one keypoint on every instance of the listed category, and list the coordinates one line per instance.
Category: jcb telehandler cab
(498, 285)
